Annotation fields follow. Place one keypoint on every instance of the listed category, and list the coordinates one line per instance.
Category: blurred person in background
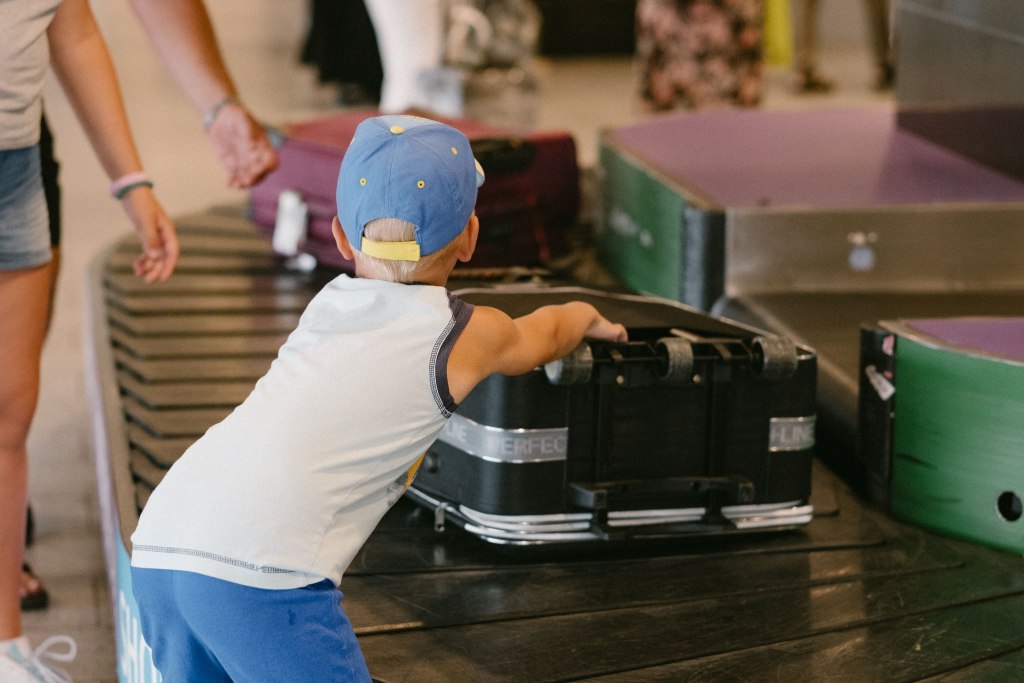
(342, 45)
(699, 54)
(808, 78)
(411, 35)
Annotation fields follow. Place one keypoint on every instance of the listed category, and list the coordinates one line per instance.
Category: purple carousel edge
(1000, 336)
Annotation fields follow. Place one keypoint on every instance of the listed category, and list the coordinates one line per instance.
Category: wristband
(126, 183)
(211, 115)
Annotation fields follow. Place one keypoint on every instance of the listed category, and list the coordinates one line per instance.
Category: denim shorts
(24, 221)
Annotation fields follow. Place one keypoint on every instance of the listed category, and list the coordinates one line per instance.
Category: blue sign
(134, 657)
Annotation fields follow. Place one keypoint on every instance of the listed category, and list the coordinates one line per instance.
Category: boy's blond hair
(397, 230)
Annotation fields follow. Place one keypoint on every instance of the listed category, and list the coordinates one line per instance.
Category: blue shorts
(205, 630)
(24, 221)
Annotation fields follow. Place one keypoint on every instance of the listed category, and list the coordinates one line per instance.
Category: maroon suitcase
(526, 206)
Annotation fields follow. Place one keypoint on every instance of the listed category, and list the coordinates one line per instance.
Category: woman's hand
(156, 232)
(242, 146)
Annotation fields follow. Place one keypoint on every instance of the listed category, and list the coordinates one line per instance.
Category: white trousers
(410, 34)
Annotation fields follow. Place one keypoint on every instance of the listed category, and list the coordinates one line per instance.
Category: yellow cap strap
(393, 251)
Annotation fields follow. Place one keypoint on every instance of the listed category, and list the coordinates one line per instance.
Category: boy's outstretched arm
(80, 59)
(495, 343)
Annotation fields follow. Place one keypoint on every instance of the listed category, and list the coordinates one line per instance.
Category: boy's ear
(344, 246)
(469, 235)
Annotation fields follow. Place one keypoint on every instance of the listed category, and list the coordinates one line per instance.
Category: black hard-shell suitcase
(697, 425)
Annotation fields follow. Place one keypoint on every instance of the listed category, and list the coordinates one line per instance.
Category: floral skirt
(695, 54)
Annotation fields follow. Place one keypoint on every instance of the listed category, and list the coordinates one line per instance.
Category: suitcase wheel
(773, 357)
(574, 368)
(679, 356)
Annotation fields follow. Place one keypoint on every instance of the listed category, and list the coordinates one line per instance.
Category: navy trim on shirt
(461, 313)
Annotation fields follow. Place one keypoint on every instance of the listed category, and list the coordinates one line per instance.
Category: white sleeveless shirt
(286, 489)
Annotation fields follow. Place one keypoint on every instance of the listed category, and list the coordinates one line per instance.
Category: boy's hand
(156, 231)
(604, 329)
(495, 343)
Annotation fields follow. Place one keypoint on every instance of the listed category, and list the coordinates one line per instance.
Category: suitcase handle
(672, 360)
(603, 497)
(502, 156)
(614, 495)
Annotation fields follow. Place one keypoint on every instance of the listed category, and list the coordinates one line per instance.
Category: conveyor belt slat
(165, 451)
(170, 305)
(173, 423)
(186, 346)
(201, 325)
(623, 639)
(185, 394)
(193, 369)
(915, 648)
(121, 262)
(375, 602)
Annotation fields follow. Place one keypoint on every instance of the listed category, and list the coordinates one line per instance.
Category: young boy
(239, 552)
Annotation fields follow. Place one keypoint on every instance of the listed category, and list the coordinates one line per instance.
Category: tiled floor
(260, 39)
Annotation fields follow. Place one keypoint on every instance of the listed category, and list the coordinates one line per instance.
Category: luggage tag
(290, 230)
(879, 382)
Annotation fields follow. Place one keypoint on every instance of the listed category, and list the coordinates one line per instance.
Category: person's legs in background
(343, 46)
(808, 79)
(410, 34)
(878, 21)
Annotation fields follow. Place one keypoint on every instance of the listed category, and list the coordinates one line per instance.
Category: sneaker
(34, 667)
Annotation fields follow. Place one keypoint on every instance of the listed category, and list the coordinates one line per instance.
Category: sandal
(33, 595)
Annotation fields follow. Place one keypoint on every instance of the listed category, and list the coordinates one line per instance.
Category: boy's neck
(437, 277)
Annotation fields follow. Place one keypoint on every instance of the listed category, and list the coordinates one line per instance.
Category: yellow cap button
(362, 181)
(454, 151)
(421, 184)
(397, 129)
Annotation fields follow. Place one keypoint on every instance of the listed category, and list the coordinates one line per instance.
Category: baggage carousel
(830, 322)
(853, 596)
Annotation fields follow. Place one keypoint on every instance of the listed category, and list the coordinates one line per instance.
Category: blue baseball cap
(414, 169)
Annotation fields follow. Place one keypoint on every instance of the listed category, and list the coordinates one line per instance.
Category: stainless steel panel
(960, 53)
(996, 15)
(915, 248)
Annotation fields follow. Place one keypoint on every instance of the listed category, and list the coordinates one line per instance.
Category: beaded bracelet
(126, 183)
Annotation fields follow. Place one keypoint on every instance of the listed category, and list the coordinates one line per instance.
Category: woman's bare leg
(24, 297)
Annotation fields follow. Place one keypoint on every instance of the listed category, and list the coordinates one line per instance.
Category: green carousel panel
(958, 426)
